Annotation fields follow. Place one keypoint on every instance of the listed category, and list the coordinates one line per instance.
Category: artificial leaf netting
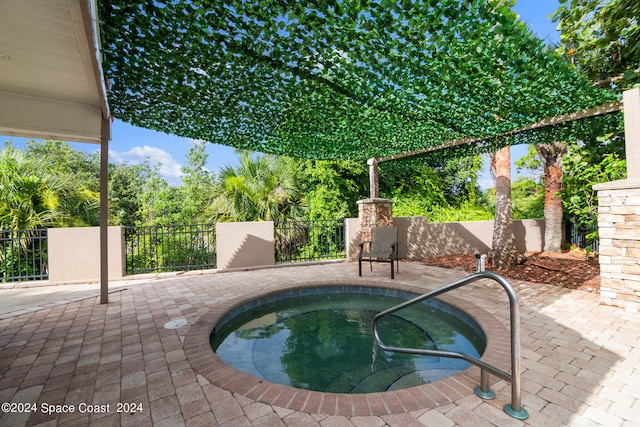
(335, 79)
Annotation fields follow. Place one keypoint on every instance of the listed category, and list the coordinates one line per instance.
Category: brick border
(427, 396)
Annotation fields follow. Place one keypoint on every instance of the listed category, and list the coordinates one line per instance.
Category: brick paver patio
(117, 364)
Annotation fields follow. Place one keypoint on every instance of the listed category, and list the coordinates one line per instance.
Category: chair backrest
(383, 237)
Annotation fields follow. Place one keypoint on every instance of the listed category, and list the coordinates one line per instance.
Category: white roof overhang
(51, 81)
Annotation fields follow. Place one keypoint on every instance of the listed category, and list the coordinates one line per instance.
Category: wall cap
(373, 201)
(621, 184)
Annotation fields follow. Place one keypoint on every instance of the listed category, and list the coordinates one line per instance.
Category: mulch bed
(569, 270)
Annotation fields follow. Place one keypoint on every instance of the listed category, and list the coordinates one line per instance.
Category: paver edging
(206, 363)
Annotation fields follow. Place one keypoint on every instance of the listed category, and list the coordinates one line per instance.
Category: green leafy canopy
(335, 79)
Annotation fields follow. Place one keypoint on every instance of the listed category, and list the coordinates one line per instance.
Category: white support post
(374, 191)
(631, 105)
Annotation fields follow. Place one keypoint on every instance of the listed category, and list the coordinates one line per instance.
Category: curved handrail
(515, 408)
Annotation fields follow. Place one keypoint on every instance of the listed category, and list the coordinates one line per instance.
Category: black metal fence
(153, 249)
(150, 249)
(576, 234)
(310, 240)
(23, 255)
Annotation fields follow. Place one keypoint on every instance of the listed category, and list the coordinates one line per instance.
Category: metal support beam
(104, 211)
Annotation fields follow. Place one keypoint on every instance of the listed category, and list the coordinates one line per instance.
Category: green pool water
(325, 342)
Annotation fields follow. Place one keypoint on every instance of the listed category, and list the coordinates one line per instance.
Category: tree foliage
(62, 159)
(126, 183)
(585, 166)
(435, 188)
(40, 189)
(139, 195)
(159, 203)
(261, 188)
(28, 195)
(329, 189)
(527, 197)
(79, 173)
(602, 39)
(196, 188)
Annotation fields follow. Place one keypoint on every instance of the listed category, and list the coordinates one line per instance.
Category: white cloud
(485, 183)
(169, 168)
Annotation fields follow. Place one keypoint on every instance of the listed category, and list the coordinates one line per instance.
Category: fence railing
(575, 234)
(153, 249)
(297, 241)
(23, 255)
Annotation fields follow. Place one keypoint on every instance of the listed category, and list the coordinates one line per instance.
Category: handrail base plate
(486, 395)
(522, 414)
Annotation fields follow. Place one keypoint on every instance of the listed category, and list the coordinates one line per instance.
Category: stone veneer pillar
(374, 212)
(619, 220)
(619, 233)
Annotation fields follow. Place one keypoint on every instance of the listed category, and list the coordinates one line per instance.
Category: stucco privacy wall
(421, 239)
(74, 254)
(245, 244)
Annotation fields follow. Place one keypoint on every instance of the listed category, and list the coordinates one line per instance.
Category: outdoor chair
(383, 247)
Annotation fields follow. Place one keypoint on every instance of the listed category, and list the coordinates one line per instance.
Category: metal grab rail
(513, 409)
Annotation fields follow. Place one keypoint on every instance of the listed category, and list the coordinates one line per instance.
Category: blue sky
(132, 144)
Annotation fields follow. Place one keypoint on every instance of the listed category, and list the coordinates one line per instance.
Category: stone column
(619, 233)
(374, 212)
(619, 220)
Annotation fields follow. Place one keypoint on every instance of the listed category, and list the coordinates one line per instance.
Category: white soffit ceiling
(51, 83)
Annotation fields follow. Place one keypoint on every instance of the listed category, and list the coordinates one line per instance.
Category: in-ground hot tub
(320, 339)
(211, 367)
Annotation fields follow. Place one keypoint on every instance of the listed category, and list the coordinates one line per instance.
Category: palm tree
(28, 201)
(504, 251)
(28, 193)
(34, 195)
(551, 156)
(261, 188)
